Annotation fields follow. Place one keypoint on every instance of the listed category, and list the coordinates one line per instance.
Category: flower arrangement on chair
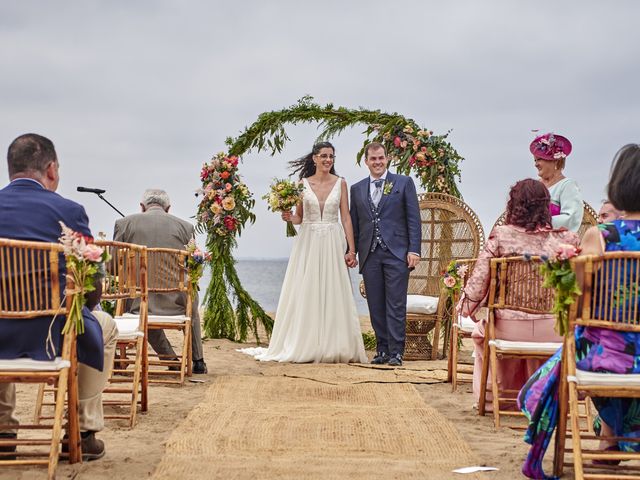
(453, 278)
(195, 264)
(84, 260)
(559, 275)
(223, 211)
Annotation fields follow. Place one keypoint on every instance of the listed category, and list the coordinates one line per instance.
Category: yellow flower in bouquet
(284, 195)
(228, 203)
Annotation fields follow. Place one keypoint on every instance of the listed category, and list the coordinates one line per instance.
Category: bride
(317, 320)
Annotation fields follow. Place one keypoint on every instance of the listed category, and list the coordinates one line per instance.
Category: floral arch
(411, 150)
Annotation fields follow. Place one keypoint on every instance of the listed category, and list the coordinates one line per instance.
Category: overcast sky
(138, 94)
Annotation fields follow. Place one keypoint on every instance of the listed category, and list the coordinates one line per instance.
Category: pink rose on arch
(566, 251)
(396, 142)
(449, 281)
(92, 252)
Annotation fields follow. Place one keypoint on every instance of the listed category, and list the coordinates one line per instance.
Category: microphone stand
(109, 203)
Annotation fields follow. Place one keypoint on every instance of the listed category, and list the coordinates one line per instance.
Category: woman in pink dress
(527, 230)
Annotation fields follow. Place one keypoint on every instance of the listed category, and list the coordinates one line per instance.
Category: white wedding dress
(316, 320)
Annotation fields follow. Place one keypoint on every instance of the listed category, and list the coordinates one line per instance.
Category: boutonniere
(388, 186)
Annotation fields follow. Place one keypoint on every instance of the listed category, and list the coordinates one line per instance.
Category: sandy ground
(135, 453)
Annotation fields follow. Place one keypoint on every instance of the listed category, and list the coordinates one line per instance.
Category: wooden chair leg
(73, 406)
(185, 351)
(39, 401)
(436, 338)
(482, 402)
(454, 358)
(144, 380)
(450, 355)
(188, 353)
(493, 358)
(575, 430)
(135, 383)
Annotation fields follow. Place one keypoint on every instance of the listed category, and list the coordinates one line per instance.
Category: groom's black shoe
(380, 359)
(395, 360)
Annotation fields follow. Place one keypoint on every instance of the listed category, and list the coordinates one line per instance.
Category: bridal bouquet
(284, 195)
(559, 275)
(84, 261)
(195, 264)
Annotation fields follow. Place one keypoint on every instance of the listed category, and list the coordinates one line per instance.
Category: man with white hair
(156, 228)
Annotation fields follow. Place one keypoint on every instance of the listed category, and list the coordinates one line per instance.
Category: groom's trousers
(386, 279)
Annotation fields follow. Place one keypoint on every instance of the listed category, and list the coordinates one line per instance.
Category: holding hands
(350, 259)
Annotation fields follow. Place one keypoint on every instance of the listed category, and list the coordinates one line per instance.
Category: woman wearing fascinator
(550, 152)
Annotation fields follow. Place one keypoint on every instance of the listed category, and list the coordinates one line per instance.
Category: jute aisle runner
(291, 428)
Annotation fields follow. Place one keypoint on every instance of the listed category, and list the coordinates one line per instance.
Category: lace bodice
(311, 205)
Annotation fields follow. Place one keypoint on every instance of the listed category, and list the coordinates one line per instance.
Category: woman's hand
(286, 216)
(350, 259)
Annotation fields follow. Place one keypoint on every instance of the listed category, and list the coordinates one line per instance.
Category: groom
(387, 229)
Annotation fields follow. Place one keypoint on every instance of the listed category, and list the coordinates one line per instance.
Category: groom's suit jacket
(28, 211)
(398, 213)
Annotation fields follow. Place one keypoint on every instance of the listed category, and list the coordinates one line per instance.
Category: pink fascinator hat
(550, 147)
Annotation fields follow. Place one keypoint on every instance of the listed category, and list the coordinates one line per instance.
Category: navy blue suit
(384, 268)
(28, 211)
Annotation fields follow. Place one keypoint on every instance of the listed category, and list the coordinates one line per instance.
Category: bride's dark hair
(305, 165)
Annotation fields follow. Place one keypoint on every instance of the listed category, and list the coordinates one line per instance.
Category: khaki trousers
(91, 383)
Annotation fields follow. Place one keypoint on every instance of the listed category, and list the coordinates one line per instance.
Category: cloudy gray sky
(140, 94)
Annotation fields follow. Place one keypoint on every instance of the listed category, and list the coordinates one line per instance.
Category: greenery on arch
(411, 149)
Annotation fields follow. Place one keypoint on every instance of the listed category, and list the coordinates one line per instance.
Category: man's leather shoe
(92, 447)
(8, 448)
(380, 359)
(395, 360)
(174, 368)
(199, 367)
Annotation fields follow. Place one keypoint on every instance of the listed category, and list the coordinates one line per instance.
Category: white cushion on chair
(29, 365)
(422, 304)
(128, 326)
(605, 379)
(466, 324)
(167, 318)
(508, 345)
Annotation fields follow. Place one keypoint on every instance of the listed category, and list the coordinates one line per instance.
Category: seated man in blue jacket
(31, 210)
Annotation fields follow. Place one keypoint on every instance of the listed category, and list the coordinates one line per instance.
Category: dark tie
(376, 195)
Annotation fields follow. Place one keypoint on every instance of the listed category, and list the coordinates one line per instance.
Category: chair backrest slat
(167, 270)
(516, 284)
(30, 279)
(611, 292)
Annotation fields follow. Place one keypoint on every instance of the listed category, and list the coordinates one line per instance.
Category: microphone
(97, 191)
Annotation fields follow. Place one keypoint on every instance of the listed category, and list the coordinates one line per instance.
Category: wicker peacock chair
(589, 219)
(450, 231)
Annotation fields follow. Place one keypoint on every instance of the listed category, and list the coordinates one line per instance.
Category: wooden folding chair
(610, 300)
(168, 276)
(516, 284)
(30, 288)
(461, 327)
(125, 282)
